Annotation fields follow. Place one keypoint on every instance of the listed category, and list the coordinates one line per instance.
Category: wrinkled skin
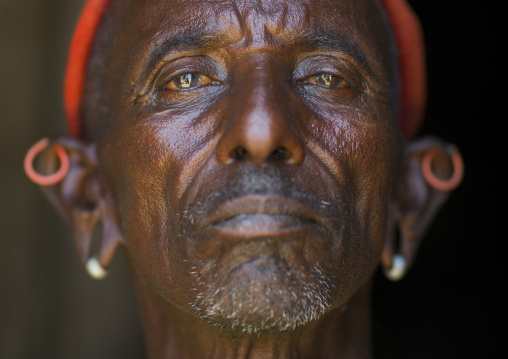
(247, 158)
(256, 133)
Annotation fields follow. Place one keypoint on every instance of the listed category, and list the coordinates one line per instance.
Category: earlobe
(431, 169)
(70, 180)
(85, 221)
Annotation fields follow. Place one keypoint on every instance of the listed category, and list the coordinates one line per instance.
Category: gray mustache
(261, 180)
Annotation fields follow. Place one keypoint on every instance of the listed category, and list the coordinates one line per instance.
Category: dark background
(451, 304)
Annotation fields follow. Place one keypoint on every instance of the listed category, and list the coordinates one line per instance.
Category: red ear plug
(433, 180)
(50, 179)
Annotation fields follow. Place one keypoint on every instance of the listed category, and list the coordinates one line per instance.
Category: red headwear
(405, 25)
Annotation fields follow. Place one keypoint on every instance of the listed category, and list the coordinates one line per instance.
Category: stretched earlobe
(79, 195)
(85, 223)
(394, 264)
(431, 169)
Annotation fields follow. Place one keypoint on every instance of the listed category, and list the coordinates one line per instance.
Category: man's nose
(260, 122)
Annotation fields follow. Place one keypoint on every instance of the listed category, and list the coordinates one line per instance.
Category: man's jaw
(256, 249)
(261, 295)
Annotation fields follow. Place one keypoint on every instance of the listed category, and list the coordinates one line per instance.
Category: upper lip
(260, 204)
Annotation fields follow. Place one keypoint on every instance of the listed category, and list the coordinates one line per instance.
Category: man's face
(251, 152)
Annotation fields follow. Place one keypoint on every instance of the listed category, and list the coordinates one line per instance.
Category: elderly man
(248, 157)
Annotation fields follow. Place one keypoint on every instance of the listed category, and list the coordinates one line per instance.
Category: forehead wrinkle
(266, 22)
(283, 24)
(250, 26)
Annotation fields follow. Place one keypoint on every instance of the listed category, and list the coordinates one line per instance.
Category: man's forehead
(250, 21)
(164, 26)
(131, 30)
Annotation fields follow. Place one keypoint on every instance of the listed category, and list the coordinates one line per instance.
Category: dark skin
(252, 170)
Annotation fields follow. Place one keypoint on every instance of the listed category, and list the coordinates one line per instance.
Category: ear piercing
(398, 269)
(433, 180)
(95, 269)
(50, 179)
(93, 266)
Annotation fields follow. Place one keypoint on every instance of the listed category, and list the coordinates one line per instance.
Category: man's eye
(188, 81)
(327, 80)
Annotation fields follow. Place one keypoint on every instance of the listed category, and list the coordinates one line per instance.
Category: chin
(264, 294)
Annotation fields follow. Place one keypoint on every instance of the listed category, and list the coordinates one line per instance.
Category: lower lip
(262, 225)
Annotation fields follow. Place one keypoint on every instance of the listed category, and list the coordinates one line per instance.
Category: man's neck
(172, 332)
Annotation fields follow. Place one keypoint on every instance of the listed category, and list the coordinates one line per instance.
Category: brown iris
(327, 80)
(188, 81)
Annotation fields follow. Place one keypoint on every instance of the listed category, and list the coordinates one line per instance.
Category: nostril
(239, 153)
(280, 154)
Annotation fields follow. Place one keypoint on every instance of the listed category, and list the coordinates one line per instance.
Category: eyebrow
(192, 40)
(200, 40)
(333, 43)
(184, 41)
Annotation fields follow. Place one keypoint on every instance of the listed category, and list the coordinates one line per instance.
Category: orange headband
(406, 29)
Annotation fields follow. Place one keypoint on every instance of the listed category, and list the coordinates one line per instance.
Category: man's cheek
(154, 243)
(140, 186)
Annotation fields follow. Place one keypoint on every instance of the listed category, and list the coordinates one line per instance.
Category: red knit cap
(408, 37)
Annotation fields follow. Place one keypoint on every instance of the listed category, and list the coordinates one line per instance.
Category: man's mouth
(260, 216)
(261, 224)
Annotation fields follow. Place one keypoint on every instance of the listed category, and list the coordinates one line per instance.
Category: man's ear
(81, 197)
(430, 170)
